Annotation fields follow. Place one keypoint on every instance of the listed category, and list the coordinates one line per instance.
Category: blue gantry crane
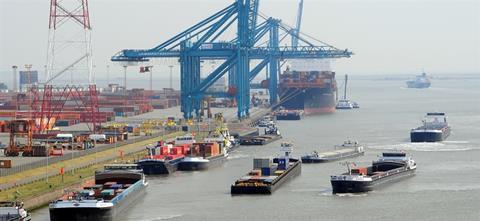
(256, 43)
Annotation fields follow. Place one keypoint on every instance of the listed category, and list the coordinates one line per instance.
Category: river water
(445, 187)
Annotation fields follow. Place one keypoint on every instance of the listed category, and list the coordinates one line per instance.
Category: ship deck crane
(255, 41)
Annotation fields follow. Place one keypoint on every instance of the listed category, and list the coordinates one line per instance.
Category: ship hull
(429, 136)
(351, 186)
(331, 158)
(418, 85)
(99, 214)
(159, 167)
(202, 165)
(293, 171)
(310, 100)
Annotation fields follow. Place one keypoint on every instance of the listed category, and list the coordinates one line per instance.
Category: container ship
(163, 159)
(435, 128)
(347, 150)
(390, 167)
(314, 92)
(115, 189)
(420, 81)
(266, 176)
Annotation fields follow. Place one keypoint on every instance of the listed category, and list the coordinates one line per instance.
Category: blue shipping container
(282, 164)
(266, 171)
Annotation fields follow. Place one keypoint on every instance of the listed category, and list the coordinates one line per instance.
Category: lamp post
(108, 75)
(171, 74)
(14, 85)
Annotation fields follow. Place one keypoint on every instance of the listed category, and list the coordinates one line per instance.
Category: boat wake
(350, 194)
(237, 156)
(165, 217)
(426, 147)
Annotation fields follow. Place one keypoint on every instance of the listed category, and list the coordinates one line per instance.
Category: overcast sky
(387, 36)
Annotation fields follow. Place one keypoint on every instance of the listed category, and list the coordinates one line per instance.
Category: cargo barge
(115, 189)
(162, 159)
(435, 128)
(266, 176)
(272, 133)
(203, 156)
(390, 167)
(314, 92)
(289, 114)
(348, 149)
(13, 211)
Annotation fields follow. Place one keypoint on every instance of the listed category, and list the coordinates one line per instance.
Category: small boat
(13, 211)
(163, 159)
(347, 150)
(435, 128)
(117, 187)
(420, 82)
(272, 130)
(345, 104)
(203, 156)
(390, 167)
(266, 176)
(266, 121)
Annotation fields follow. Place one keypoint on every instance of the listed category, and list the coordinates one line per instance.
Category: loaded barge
(271, 134)
(266, 176)
(289, 114)
(115, 189)
(389, 168)
(203, 156)
(347, 150)
(163, 159)
(432, 130)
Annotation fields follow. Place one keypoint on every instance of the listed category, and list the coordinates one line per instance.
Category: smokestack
(14, 85)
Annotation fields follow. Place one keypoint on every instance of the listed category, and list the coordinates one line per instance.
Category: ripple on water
(165, 217)
(427, 147)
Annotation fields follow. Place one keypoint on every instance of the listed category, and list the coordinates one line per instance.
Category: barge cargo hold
(203, 156)
(266, 177)
(432, 130)
(347, 150)
(389, 168)
(115, 189)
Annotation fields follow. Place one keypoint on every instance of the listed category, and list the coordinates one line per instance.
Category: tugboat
(266, 176)
(115, 189)
(266, 121)
(388, 168)
(347, 150)
(420, 82)
(203, 156)
(435, 128)
(163, 159)
(13, 211)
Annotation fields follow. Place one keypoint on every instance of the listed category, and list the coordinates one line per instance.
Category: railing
(69, 156)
